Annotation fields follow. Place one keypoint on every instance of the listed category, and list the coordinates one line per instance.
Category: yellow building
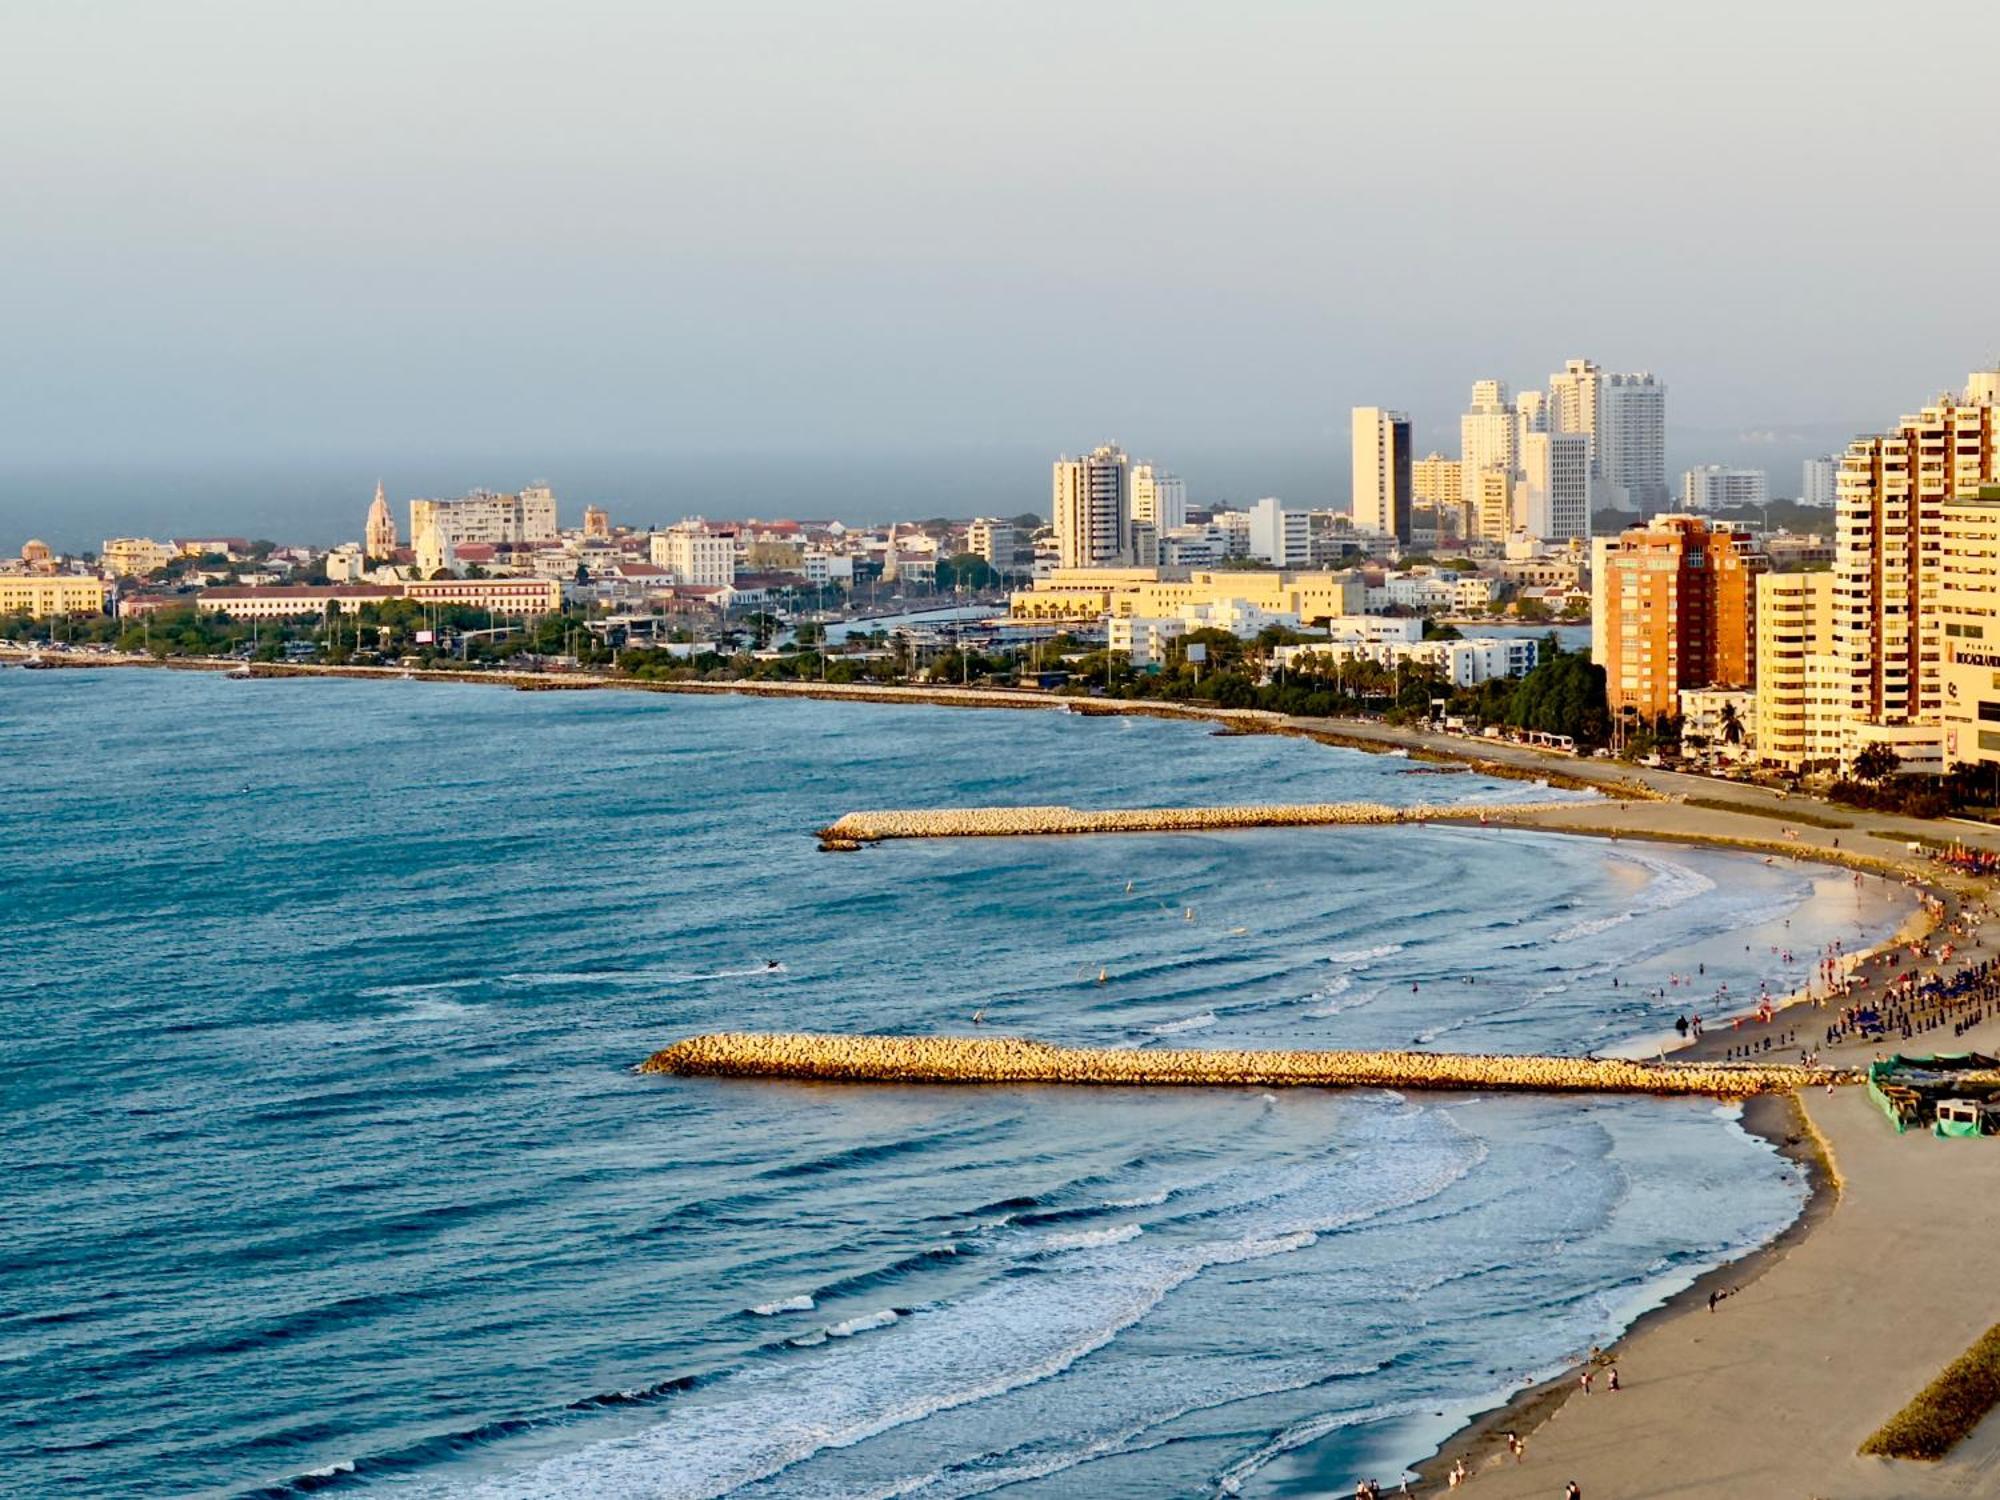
(134, 556)
(42, 595)
(1087, 595)
(503, 596)
(1968, 607)
(1492, 515)
(1802, 682)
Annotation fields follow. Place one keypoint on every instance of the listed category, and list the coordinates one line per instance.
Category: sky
(878, 259)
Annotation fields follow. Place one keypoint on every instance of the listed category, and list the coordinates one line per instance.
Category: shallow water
(329, 1169)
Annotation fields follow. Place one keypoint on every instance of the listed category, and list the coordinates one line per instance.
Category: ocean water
(328, 1171)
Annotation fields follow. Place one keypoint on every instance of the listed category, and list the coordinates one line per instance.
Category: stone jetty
(1015, 822)
(951, 1059)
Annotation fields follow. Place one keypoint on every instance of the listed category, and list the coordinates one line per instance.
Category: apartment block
(1673, 604)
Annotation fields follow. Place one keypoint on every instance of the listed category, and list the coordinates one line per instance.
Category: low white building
(1427, 593)
(1145, 642)
(1462, 663)
(823, 568)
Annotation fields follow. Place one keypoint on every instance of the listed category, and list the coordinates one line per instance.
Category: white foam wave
(800, 1303)
(1148, 1200)
(848, 1327)
(1089, 1239)
(1673, 884)
(1185, 1023)
(1364, 955)
(763, 1419)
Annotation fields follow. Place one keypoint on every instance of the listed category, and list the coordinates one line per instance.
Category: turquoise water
(328, 1169)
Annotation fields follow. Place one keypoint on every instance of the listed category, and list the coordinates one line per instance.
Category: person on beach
(1715, 1297)
(1571, 1492)
(1517, 1446)
(1611, 1380)
(1584, 1380)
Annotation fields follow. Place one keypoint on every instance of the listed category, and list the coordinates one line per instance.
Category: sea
(328, 1169)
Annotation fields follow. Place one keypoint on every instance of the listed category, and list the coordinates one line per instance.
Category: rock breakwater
(947, 1059)
(1013, 822)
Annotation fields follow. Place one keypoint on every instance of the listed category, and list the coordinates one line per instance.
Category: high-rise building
(1819, 482)
(1434, 481)
(1492, 510)
(1968, 603)
(1486, 438)
(1893, 490)
(1382, 498)
(1092, 508)
(1553, 500)
(1574, 404)
(437, 527)
(1710, 487)
(1280, 537)
(1159, 499)
(596, 523)
(1801, 691)
(379, 539)
(1632, 442)
(1673, 604)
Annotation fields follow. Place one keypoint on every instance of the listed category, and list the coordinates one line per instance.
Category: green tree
(1563, 695)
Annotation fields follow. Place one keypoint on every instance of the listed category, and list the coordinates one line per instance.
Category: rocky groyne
(1014, 822)
(946, 1059)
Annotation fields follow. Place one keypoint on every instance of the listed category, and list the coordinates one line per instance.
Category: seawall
(1009, 822)
(945, 1059)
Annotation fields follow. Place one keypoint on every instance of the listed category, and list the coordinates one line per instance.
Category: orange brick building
(1674, 606)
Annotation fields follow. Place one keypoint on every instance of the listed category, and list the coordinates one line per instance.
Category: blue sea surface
(328, 1170)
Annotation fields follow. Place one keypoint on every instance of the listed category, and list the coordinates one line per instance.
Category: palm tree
(1732, 725)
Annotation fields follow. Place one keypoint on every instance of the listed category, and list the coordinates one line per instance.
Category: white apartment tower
(1092, 508)
(1819, 482)
(1553, 492)
(1632, 442)
(1159, 499)
(1575, 404)
(1486, 438)
(1382, 496)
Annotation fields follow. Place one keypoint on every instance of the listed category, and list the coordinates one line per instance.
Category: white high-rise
(1715, 487)
(1819, 482)
(1486, 438)
(1159, 499)
(1382, 483)
(1092, 508)
(1278, 536)
(1575, 404)
(1632, 442)
(1553, 494)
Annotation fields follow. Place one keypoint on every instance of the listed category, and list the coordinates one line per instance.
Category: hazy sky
(844, 257)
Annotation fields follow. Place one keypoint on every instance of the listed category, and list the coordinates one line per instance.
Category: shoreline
(1780, 1120)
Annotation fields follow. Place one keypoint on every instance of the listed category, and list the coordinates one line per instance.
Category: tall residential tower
(1382, 482)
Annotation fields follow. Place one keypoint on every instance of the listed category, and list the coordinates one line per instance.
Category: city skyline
(274, 278)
